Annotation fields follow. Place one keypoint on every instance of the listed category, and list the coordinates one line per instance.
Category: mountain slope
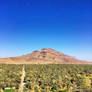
(44, 56)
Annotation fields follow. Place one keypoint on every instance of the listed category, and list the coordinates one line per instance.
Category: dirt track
(22, 80)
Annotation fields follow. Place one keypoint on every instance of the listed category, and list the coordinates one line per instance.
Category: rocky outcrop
(44, 56)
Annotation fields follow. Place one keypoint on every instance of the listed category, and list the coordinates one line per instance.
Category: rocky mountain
(44, 56)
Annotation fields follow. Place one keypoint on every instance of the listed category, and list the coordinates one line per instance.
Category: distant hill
(44, 56)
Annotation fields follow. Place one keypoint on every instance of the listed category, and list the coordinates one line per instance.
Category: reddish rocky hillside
(45, 56)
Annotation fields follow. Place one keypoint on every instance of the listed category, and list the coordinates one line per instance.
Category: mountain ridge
(44, 56)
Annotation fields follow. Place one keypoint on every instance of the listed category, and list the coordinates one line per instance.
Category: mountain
(44, 56)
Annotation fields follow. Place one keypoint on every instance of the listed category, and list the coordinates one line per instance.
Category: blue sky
(28, 25)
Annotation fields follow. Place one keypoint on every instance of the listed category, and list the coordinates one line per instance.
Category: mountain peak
(48, 49)
(44, 56)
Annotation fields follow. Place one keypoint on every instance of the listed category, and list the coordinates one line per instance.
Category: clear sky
(64, 25)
